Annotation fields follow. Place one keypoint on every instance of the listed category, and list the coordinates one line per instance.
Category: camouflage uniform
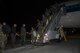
(23, 35)
(13, 36)
(3, 38)
(7, 30)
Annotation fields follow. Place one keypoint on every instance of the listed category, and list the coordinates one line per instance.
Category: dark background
(24, 11)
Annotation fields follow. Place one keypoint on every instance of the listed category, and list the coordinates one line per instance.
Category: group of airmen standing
(8, 34)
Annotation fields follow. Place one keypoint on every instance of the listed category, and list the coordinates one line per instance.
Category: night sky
(23, 11)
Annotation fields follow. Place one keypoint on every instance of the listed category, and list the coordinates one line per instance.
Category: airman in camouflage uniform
(13, 35)
(6, 30)
(3, 38)
(23, 34)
